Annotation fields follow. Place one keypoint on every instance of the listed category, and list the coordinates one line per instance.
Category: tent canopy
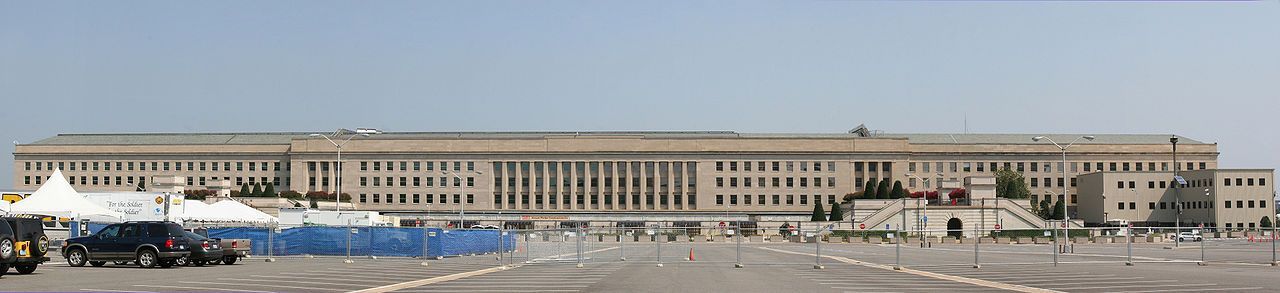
(194, 210)
(240, 212)
(57, 198)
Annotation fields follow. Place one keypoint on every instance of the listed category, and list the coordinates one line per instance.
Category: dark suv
(22, 244)
(150, 244)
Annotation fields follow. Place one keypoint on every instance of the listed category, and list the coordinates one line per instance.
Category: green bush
(1038, 233)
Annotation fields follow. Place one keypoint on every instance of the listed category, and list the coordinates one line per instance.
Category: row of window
(414, 181)
(416, 198)
(594, 174)
(155, 166)
(142, 180)
(777, 166)
(776, 182)
(1195, 183)
(777, 199)
(595, 199)
(1046, 167)
(1240, 204)
(404, 166)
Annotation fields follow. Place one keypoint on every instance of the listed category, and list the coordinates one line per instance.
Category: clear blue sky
(1207, 70)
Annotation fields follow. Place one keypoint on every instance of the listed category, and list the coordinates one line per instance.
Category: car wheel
(230, 260)
(147, 259)
(76, 257)
(24, 269)
(6, 249)
(182, 261)
(97, 263)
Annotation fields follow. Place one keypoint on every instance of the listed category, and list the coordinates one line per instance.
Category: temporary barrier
(366, 241)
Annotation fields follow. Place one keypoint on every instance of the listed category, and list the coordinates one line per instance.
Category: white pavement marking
(979, 282)
(291, 281)
(387, 278)
(481, 290)
(316, 278)
(1091, 279)
(863, 289)
(1194, 290)
(109, 290)
(259, 285)
(1032, 278)
(203, 288)
(433, 280)
(1116, 281)
(1134, 286)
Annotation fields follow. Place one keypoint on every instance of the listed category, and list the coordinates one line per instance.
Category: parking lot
(767, 267)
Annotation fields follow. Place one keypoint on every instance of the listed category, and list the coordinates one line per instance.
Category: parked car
(147, 243)
(23, 244)
(1185, 236)
(203, 251)
(232, 249)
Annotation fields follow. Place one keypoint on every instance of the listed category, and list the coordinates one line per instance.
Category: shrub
(290, 194)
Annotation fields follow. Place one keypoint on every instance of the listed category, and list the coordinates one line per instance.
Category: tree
(818, 214)
(244, 190)
(870, 190)
(269, 190)
(837, 214)
(784, 229)
(1010, 184)
(1057, 210)
(882, 190)
(898, 192)
(1265, 222)
(1045, 210)
(314, 203)
(257, 190)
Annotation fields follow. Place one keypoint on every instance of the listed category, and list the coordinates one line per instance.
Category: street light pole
(1065, 217)
(462, 205)
(365, 132)
(924, 194)
(1177, 193)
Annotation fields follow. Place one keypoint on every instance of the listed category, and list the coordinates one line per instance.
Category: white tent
(194, 210)
(57, 198)
(240, 212)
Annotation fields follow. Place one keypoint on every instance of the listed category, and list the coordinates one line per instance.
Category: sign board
(722, 225)
(924, 218)
(355, 231)
(728, 232)
(650, 232)
(431, 234)
(138, 206)
(997, 226)
(1046, 233)
(808, 234)
(862, 226)
(504, 233)
(794, 232)
(1180, 180)
(889, 235)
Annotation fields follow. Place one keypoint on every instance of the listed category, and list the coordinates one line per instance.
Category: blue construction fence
(375, 241)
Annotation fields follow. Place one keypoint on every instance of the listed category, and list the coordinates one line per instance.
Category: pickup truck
(232, 249)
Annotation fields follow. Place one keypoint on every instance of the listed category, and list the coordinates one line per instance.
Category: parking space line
(979, 282)
(1193, 290)
(316, 278)
(203, 288)
(1109, 281)
(1134, 286)
(392, 279)
(291, 281)
(1054, 281)
(1049, 277)
(861, 289)
(109, 290)
(418, 283)
(482, 290)
(259, 285)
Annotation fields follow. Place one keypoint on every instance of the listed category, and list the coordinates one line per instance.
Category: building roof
(252, 138)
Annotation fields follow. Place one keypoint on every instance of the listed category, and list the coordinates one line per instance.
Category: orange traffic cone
(691, 254)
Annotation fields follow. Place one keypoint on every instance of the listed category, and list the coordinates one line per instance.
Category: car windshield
(194, 236)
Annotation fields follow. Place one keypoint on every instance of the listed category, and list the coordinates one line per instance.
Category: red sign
(862, 226)
(1064, 225)
(721, 224)
(997, 226)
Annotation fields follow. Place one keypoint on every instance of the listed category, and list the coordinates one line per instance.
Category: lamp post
(925, 195)
(365, 132)
(462, 206)
(1065, 232)
(1177, 192)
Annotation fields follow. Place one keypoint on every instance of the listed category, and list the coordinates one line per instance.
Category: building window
(1120, 205)
(719, 199)
(791, 199)
(777, 199)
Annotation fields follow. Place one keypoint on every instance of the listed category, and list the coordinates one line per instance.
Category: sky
(1209, 70)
